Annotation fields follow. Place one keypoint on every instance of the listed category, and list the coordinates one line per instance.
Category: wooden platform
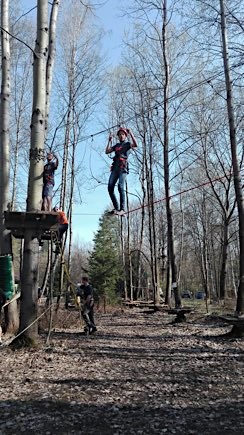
(41, 223)
(138, 304)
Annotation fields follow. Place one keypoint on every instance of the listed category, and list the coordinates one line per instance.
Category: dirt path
(137, 375)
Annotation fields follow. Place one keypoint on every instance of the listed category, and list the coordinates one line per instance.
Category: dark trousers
(88, 315)
(114, 177)
(62, 228)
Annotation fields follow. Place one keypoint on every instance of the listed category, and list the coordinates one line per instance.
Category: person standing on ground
(85, 292)
(119, 169)
(48, 181)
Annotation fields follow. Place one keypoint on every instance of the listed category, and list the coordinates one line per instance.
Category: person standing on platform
(48, 181)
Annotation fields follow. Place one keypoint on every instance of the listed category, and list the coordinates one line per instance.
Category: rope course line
(178, 193)
(20, 40)
(9, 341)
(16, 296)
(178, 94)
(61, 252)
(161, 199)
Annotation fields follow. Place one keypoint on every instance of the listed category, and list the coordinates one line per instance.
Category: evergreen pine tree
(105, 263)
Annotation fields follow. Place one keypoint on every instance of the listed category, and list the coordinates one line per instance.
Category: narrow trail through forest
(139, 374)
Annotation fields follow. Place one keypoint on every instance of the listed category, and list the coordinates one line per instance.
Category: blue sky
(86, 215)
(94, 202)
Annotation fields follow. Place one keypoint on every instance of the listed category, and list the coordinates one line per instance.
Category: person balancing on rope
(119, 168)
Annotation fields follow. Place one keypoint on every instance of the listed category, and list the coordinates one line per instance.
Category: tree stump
(180, 314)
(238, 326)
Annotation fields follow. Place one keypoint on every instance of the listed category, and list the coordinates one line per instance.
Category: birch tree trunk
(11, 313)
(235, 163)
(30, 272)
(5, 240)
(51, 55)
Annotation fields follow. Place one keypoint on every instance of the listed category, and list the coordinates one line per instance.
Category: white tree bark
(30, 272)
(37, 155)
(51, 55)
(5, 245)
(11, 316)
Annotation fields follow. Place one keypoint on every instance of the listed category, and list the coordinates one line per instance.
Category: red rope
(178, 193)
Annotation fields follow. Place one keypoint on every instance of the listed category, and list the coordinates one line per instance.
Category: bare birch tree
(51, 55)
(11, 315)
(5, 240)
(29, 278)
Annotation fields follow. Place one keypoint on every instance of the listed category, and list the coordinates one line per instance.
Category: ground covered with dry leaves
(139, 374)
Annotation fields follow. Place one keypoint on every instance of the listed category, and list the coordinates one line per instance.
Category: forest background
(168, 86)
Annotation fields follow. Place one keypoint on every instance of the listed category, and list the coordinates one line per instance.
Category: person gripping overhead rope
(48, 181)
(119, 168)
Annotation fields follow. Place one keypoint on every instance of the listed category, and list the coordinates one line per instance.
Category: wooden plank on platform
(40, 222)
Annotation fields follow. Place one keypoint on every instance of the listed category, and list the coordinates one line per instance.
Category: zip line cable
(172, 97)
(178, 94)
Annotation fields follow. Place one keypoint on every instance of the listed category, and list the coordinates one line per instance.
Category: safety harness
(48, 174)
(120, 159)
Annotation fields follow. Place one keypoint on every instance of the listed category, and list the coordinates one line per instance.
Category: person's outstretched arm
(56, 161)
(109, 148)
(134, 142)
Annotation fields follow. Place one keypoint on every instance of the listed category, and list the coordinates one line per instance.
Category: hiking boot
(112, 212)
(121, 213)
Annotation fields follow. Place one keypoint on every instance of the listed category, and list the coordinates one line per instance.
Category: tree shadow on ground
(63, 418)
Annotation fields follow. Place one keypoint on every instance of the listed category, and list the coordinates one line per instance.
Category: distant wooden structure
(138, 304)
(41, 223)
(180, 313)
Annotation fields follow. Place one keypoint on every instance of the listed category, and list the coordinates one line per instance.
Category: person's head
(122, 133)
(85, 280)
(56, 209)
(49, 156)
